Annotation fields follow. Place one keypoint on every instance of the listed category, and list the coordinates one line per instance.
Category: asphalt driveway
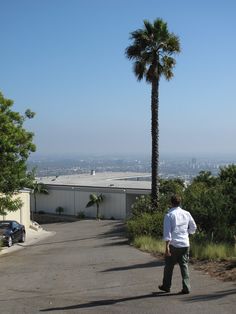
(88, 267)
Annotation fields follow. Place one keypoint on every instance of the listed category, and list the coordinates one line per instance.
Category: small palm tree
(152, 50)
(38, 188)
(96, 200)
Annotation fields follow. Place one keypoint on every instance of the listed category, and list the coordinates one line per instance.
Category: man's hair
(175, 200)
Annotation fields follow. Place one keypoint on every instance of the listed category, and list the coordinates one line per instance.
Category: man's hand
(167, 252)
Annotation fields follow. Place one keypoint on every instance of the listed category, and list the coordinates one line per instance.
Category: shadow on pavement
(211, 296)
(108, 302)
(134, 266)
(114, 243)
(117, 230)
(105, 302)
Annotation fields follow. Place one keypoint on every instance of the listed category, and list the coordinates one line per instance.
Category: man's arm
(191, 225)
(167, 234)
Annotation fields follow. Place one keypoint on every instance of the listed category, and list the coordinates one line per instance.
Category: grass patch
(212, 251)
(149, 244)
(202, 251)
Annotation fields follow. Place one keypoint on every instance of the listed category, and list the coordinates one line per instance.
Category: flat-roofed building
(72, 193)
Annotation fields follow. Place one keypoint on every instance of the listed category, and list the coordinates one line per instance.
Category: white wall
(23, 214)
(75, 199)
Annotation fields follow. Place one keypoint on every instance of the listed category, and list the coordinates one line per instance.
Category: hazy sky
(64, 59)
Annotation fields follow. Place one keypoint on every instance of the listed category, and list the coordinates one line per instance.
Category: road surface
(88, 267)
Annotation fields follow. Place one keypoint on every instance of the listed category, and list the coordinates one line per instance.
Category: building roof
(123, 180)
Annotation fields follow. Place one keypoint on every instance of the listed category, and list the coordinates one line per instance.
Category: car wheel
(22, 239)
(10, 242)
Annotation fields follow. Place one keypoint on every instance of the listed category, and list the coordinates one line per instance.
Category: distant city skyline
(198, 156)
(170, 167)
(65, 60)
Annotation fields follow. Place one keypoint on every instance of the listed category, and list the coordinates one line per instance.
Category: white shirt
(178, 224)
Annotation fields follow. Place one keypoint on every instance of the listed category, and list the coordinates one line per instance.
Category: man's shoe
(184, 292)
(163, 289)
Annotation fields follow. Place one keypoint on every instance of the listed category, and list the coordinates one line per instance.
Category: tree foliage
(15, 147)
(210, 199)
(167, 189)
(8, 203)
(146, 221)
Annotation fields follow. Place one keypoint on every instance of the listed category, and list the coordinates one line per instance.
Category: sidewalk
(32, 236)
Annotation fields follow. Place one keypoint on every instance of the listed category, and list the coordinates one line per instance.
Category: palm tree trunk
(155, 144)
(35, 204)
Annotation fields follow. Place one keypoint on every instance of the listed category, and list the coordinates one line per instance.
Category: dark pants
(178, 256)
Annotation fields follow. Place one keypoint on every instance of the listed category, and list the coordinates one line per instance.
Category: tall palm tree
(152, 49)
(96, 200)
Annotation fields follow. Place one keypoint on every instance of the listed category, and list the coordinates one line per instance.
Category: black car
(11, 231)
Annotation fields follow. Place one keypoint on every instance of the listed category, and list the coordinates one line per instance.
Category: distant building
(194, 163)
(72, 193)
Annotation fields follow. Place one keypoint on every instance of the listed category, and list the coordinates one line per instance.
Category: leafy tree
(227, 177)
(15, 147)
(167, 189)
(146, 223)
(206, 178)
(7, 203)
(96, 200)
(152, 50)
(142, 205)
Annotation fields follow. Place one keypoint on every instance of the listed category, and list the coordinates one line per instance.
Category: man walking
(178, 224)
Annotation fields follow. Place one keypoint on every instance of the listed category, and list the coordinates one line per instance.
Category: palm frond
(148, 27)
(140, 38)
(159, 23)
(160, 30)
(101, 198)
(172, 44)
(90, 203)
(168, 63)
(39, 188)
(139, 70)
(133, 51)
(93, 197)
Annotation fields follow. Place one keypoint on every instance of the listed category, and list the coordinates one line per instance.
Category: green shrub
(212, 202)
(150, 224)
(200, 237)
(59, 210)
(142, 205)
(81, 215)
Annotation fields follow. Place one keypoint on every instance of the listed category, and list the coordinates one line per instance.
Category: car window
(4, 224)
(14, 225)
